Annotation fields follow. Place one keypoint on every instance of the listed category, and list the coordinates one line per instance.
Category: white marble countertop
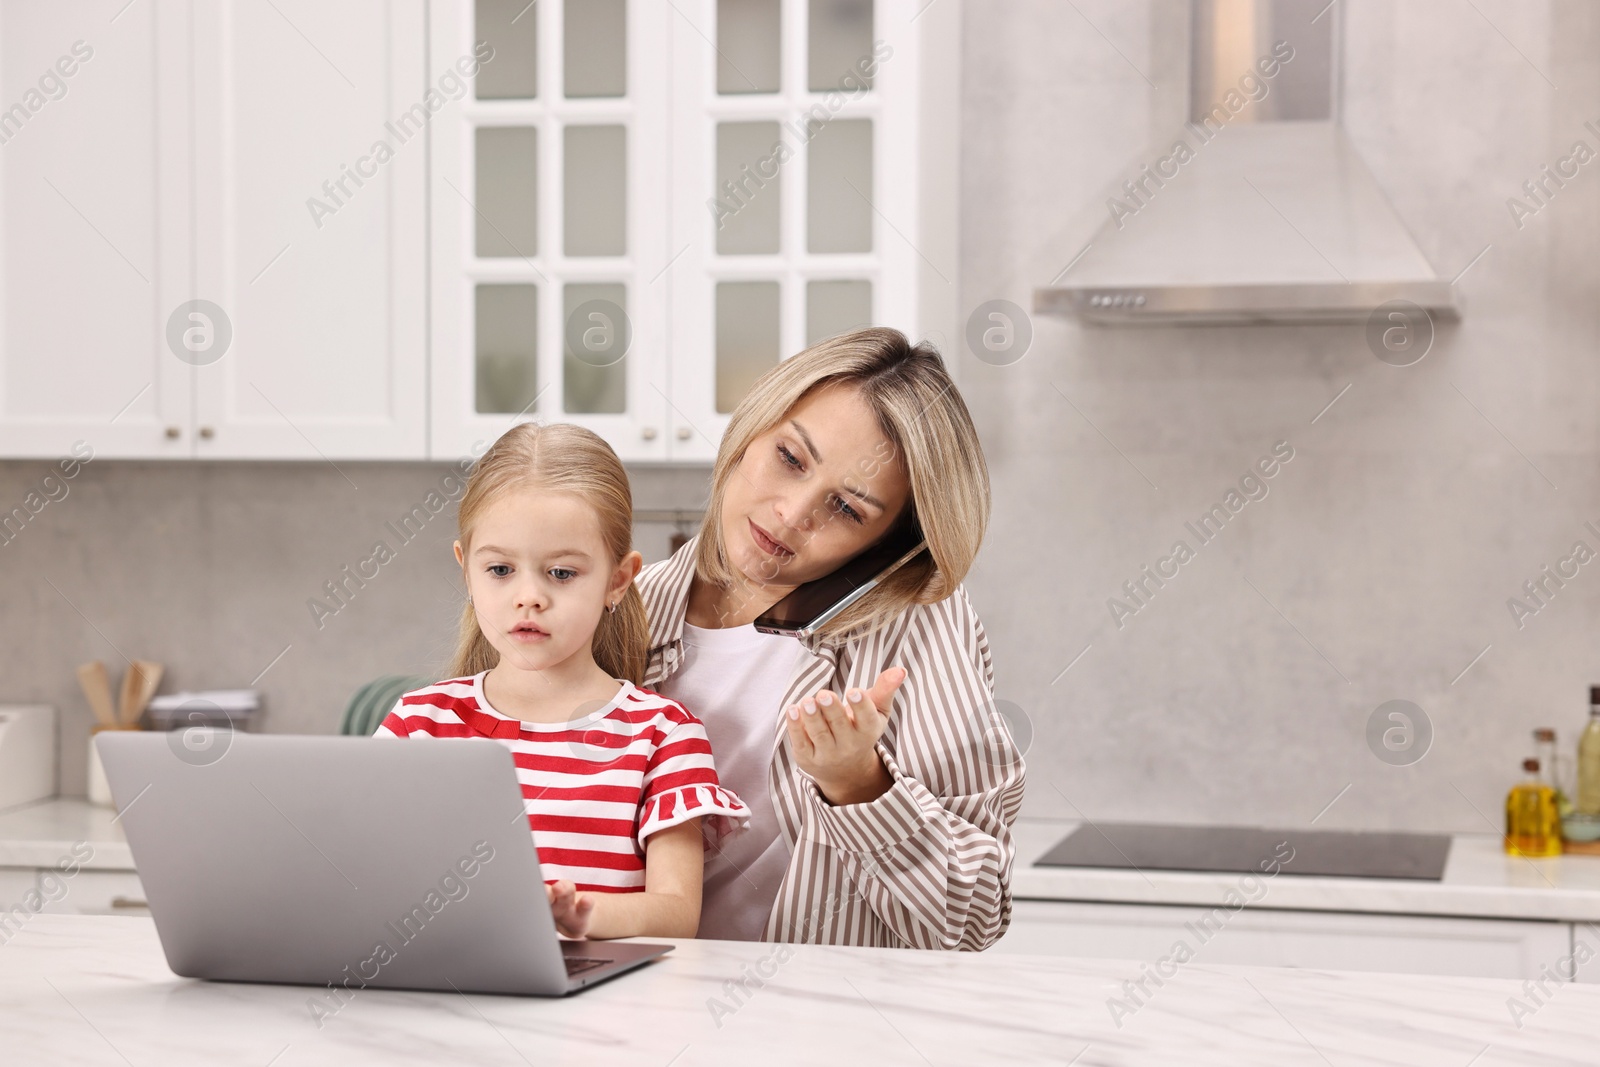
(1480, 881)
(40, 834)
(81, 989)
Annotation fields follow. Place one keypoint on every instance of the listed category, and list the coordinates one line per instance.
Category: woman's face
(824, 483)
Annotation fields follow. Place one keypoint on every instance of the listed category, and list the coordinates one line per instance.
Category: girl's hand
(833, 738)
(571, 909)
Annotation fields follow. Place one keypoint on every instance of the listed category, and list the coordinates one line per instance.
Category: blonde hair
(919, 409)
(559, 458)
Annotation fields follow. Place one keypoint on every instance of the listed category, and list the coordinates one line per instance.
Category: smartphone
(805, 611)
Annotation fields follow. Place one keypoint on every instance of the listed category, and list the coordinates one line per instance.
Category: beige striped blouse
(927, 864)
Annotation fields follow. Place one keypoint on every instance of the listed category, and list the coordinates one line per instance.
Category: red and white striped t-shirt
(594, 788)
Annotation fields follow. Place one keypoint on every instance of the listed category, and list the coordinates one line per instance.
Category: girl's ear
(628, 569)
(459, 559)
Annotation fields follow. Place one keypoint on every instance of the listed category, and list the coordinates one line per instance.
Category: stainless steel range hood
(1258, 209)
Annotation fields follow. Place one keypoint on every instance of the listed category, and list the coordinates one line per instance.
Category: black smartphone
(804, 611)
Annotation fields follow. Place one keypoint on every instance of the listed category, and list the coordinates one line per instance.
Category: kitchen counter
(96, 990)
(1480, 881)
(40, 834)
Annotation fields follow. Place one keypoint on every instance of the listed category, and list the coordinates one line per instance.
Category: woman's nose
(788, 512)
(797, 514)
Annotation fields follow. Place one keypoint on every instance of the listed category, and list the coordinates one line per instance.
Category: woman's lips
(767, 544)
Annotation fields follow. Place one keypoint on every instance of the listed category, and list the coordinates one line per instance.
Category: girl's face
(537, 561)
(823, 508)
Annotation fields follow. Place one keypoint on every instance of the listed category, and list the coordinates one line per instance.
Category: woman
(879, 821)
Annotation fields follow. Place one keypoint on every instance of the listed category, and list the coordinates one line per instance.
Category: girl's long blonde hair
(920, 411)
(561, 458)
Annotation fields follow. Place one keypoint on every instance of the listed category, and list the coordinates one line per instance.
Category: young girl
(615, 779)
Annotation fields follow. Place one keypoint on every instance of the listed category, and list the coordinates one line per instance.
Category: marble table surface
(1480, 881)
(96, 990)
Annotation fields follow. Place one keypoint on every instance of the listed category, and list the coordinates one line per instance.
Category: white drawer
(91, 892)
(1149, 933)
(14, 882)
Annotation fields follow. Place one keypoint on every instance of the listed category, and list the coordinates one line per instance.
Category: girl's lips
(766, 544)
(528, 636)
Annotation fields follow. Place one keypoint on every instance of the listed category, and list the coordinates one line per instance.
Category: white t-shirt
(733, 679)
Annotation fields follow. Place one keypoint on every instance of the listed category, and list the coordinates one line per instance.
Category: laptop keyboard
(579, 964)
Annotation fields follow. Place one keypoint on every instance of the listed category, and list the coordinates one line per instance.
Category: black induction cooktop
(1240, 849)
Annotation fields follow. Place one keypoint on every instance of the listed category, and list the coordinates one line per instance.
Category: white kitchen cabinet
(1586, 943)
(94, 193)
(548, 240)
(1145, 934)
(289, 163)
(310, 227)
(14, 885)
(180, 164)
(853, 225)
(87, 892)
(97, 892)
(814, 152)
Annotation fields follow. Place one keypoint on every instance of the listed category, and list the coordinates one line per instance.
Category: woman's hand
(833, 738)
(571, 909)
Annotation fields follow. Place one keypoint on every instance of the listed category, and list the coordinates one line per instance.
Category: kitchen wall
(210, 567)
(1377, 568)
(1380, 564)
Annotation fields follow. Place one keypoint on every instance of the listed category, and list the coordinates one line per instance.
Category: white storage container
(27, 753)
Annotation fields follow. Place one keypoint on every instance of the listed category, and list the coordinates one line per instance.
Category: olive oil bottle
(1533, 827)
(1589, 758)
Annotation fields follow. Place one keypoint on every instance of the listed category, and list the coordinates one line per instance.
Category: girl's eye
(495, 568)
(849, 512)
(564, 570)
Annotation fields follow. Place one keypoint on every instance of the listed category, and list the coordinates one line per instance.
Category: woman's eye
(850, 512)
(496, 568)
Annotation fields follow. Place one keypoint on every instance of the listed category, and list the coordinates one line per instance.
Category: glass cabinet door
(641, 207)
(797, 226)
(549, 232)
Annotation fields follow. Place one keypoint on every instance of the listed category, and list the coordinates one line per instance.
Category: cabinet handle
(208, 432)
(649, 433)
(173, 432)
(129, 902)
(684, 432)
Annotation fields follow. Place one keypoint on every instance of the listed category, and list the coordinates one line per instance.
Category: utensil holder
(99, 790)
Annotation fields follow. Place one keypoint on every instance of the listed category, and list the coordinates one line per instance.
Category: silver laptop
(345, 863)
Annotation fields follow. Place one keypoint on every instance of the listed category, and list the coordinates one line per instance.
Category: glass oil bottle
(1553, 768)
(1533, 827)
(1589, 758)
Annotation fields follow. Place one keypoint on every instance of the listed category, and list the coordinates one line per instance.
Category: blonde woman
(881, 782)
